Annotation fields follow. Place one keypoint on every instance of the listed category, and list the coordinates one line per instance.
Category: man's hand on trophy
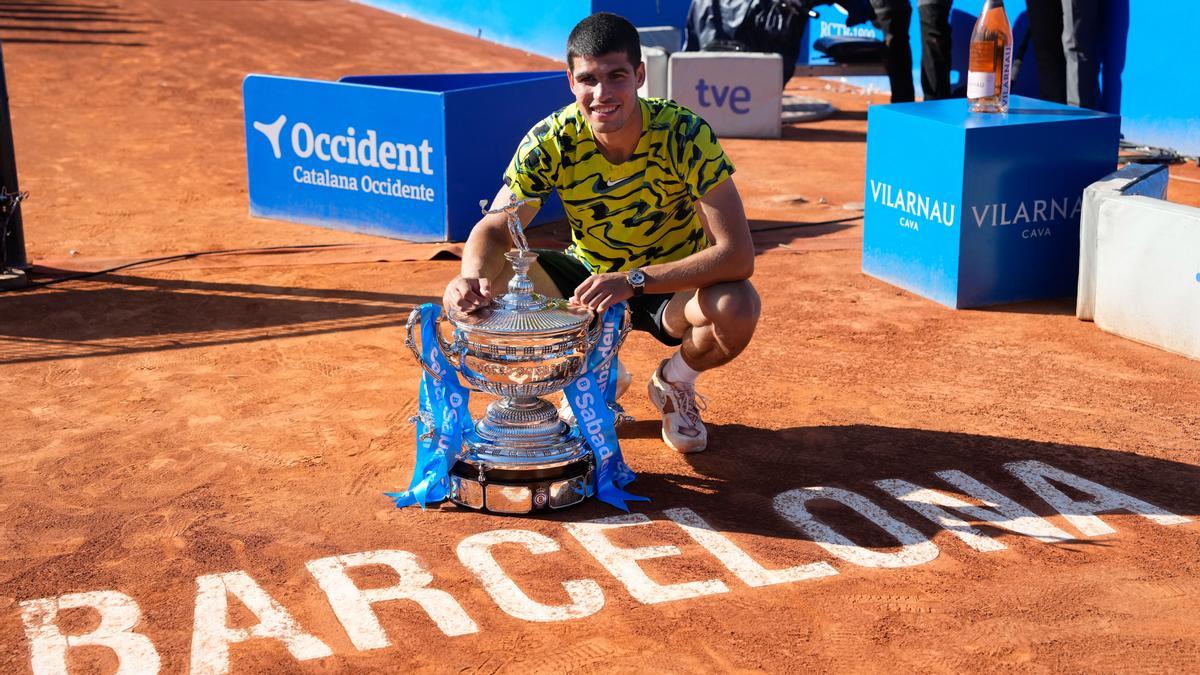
(601, 291)
(467, 294)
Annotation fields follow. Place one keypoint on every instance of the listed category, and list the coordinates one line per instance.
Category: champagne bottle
(990, 65)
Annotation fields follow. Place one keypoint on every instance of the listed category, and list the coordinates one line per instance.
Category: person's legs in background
(935, 48)
(1079, 42)
(892, 17)
(1046, 33)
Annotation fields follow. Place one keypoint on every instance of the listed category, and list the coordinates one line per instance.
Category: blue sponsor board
(972, 209)
(827, 21)
(404, 156)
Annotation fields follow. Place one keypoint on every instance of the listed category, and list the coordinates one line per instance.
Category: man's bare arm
(730, 258)
(483, 255)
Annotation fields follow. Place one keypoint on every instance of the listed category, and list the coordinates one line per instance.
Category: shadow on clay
(117, 314)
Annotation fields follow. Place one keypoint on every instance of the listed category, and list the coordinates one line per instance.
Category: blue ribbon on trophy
(592, 397)
(440, 423)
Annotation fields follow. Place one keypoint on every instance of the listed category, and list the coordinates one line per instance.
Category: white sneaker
(680, 406)
(624, 379)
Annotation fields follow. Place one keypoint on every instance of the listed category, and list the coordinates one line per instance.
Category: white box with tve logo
(740, 94)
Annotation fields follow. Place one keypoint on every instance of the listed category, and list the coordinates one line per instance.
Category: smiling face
(605, 87)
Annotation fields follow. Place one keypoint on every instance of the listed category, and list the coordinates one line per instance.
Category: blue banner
(395, 155)
(592, 396)
(443, 417)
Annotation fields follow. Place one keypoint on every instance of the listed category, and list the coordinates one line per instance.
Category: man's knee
(734, 304)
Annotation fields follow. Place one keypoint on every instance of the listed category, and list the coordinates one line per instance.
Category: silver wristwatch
(637, 281)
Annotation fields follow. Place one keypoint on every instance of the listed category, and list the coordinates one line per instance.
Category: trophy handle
(593, 339)
(468, 373)
(453, 352)
(410, 340)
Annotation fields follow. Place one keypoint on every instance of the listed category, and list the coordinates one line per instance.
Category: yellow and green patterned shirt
(628, 215)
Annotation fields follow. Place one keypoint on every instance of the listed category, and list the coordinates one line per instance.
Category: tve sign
(739, 94)
(722, 96)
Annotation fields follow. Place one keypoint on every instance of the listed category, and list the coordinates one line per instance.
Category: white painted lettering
(622, 562)
(352, 605)
(1082, 514)
(212, 635)
(738, 562)
(475, 554)
(915, 549)
(119, 613)
(1008, 514)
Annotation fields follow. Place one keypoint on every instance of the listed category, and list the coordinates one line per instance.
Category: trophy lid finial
(515, 230)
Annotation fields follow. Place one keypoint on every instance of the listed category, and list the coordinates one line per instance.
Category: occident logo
(349, 148)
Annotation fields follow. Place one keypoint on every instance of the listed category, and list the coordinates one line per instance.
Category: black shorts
(567, 273)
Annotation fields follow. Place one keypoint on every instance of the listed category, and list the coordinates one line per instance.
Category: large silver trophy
(521, 456)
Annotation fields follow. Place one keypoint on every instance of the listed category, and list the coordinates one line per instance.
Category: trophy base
(515, 489)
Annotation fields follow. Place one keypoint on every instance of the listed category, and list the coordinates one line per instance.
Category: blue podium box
(971, 209)
(403, 156)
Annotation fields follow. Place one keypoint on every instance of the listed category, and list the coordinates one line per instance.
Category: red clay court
(194, 453)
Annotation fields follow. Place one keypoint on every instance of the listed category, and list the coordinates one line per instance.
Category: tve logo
(737, 97)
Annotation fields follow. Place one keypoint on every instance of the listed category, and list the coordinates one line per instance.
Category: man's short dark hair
(604, 33)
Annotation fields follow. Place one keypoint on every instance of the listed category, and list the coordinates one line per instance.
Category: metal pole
(14, 253)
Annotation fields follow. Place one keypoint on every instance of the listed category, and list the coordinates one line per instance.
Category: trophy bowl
(521, 355)
(520, 457)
